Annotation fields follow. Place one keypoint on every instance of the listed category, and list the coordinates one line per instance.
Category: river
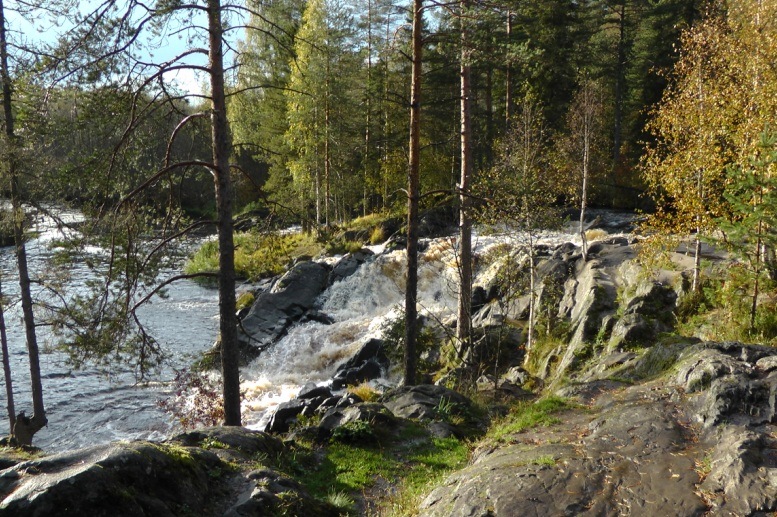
(90, 406)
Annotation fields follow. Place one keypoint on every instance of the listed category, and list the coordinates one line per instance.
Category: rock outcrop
(192, 474)
(699, 440)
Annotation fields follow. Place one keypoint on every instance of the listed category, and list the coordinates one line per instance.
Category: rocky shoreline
(652, 424)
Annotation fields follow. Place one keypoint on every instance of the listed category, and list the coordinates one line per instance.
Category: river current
(90, 406)
(98, 405)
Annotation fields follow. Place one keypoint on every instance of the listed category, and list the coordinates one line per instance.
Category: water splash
(359, 304)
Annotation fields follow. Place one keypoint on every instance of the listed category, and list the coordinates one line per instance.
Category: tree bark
(413, 197)
(25, 428)
(588, 114)
(620, 79)
(224, 200)
(7, 369)
(464, 316)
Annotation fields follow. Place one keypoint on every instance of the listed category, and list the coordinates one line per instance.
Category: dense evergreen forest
(322, 93)
(319, 92)
(305, 119)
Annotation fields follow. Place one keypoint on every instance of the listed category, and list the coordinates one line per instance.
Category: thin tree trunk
(508, 75)
(224, 199)
(327, 162)
(696, 282)
(464, 316)
(532, 300)
(413, 195)
(7, 369)
(24, 428)
(620, 79)
(587, 122)
(368, 102)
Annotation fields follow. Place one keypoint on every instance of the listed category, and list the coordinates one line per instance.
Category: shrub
(365, 392)
(357, 431)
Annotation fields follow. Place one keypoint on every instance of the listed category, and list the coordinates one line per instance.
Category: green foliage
(430, 465)
(377, 236)
(195, 400)
(545, 461)
(410, 459)
(392, 331)
(527, 415)
(357, 431)
(245, 300)
(341, 247)
(343, 502)
(365, 392)
(256, 255)
(722, 311)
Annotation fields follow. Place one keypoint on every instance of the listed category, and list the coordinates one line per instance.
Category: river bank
(630, 420)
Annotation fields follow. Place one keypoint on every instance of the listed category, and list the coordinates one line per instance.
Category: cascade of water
(360, 304)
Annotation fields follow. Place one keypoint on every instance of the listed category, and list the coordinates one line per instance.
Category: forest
(316, 113)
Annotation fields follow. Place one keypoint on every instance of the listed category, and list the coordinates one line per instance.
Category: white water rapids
(91, 406)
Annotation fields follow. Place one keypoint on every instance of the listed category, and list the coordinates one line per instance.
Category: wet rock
(630, 460)
(349, 399)
(369, 363)
(426, 402)
(587, 392)
(743, 473)
(767, 364)
(367, 371)
(318, 317)
(703, 366)
(501, 387)
(728, 387)
(271, 493)
(238, 438)
(648, 313)
(311, 390)
(274, 311)
(437, 221)
(285, 415)
(374, 349)
(123, 479)
(349, 264)
(588, 303)
(374, 414)
(328, 403)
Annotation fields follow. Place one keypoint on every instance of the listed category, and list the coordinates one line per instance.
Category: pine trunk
(413, 195)
(224, 199)
(25, 427)
(464, 316)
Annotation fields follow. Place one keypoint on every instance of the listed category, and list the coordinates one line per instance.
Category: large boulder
(427, 402)
(376, 415)
(649, 312)
(123, 479)
(272, 493)
(349, 264)
(370, 362)
(274, 311)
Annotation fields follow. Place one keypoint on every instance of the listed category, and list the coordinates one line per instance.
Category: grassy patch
(408, 459)
(256, 255)
(527, 415)
(365, 392)
(545, 460)
(431, 465)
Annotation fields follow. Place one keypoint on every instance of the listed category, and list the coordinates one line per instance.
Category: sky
(171, 42)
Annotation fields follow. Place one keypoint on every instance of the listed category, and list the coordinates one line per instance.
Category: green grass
(256, 255)
(527, 415)
(430, 466)
(545, 461)
(408, 459)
